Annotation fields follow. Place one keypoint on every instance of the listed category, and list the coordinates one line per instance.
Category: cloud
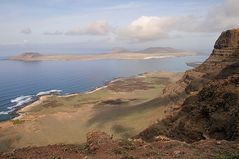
(222, 17)
(26, 31)
(100, 27)
(149, 28)
(53, 33)
(152, 28)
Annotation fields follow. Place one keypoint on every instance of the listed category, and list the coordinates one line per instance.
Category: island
(149, 53)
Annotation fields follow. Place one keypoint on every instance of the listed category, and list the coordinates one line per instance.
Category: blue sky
(72, 26)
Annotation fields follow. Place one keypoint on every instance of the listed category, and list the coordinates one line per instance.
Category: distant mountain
(119, 50)
(151, 50)
(159, 50)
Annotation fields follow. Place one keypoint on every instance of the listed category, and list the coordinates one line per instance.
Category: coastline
(9, 115)
(110, 105)
(149, 56)
(21, 111)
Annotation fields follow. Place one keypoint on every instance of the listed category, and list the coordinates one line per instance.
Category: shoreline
(88, 110)
(21, 111)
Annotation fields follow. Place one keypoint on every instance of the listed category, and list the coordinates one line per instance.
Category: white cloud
(149, 28)
(222, 17)
(26, 31)
(100, 27)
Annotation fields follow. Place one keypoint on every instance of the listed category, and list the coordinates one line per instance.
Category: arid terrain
(122, 108)
(156, 115)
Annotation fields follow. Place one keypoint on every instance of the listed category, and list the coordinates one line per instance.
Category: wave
(6, 112)
(23, 100)
(53, 91)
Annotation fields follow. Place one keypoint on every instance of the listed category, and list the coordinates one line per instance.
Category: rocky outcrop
(97, 148)
(225, 53)
(96, 140)
(211, 105)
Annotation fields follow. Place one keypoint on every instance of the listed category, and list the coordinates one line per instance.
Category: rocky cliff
(225, 53)
(211, 107)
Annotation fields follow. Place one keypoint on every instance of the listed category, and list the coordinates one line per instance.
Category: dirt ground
(101, 146)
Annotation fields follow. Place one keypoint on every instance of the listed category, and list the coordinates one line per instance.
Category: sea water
(22, 82)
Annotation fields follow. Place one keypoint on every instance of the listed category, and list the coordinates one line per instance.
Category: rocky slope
(211, 107)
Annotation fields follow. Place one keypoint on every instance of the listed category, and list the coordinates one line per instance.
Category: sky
(88, 26)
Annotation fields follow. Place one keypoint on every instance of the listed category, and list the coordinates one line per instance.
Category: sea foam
(23, 100)
(53, 91)
(6, 112)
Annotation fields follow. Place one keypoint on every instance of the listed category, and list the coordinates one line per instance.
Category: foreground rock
(101, 146)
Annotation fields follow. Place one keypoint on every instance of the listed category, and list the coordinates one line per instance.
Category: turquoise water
(22, 82)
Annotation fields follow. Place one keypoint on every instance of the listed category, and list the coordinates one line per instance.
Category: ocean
(21, 82)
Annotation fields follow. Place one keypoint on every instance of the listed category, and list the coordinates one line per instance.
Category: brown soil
(101, 146)
(128, 85)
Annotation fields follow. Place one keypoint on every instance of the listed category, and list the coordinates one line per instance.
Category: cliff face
(211, 107)
(225, 53)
